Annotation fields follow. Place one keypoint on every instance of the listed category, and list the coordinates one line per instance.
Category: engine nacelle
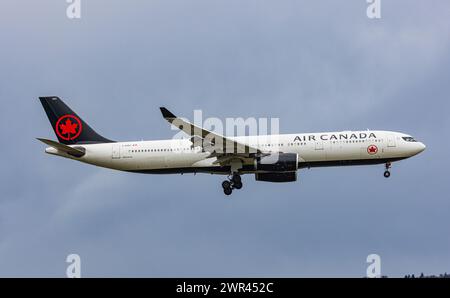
(276, 177)
(277, 162)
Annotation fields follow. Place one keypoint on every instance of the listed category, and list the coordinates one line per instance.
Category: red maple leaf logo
(68, 127)
(372, 149)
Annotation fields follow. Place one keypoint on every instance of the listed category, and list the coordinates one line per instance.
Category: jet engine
(276, 177)
(277, 167)
(277, 162)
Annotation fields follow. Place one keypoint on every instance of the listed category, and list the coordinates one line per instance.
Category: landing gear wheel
(226, 184)
(388, 165)
(227, 191)
(236, 179)
(234, 182)
(237, 185)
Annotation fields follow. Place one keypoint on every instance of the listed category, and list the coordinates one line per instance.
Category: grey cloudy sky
(317, 65)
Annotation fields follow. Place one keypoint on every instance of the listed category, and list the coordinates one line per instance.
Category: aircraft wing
(218, 145)
(77, 152)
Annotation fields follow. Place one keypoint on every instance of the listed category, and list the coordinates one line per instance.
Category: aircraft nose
(422, 147)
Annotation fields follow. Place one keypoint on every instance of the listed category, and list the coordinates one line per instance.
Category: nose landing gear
(235, 182)
(387, 173)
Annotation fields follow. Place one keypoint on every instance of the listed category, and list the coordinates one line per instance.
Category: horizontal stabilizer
(77, 152)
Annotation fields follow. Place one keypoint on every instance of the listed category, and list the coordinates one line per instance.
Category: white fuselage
(314, 149)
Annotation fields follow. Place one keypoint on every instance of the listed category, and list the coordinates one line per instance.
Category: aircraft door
(115, 151)
(391, 141)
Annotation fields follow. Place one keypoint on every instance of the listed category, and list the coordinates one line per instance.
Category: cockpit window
(409, 139)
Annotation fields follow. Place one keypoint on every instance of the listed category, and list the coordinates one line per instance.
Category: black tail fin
(69, 128)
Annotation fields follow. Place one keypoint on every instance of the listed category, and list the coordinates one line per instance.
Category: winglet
(166, 113)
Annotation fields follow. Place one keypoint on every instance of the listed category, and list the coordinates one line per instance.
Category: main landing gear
(234, 182)
(387, 173)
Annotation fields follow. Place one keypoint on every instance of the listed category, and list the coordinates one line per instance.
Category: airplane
(271, 158)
